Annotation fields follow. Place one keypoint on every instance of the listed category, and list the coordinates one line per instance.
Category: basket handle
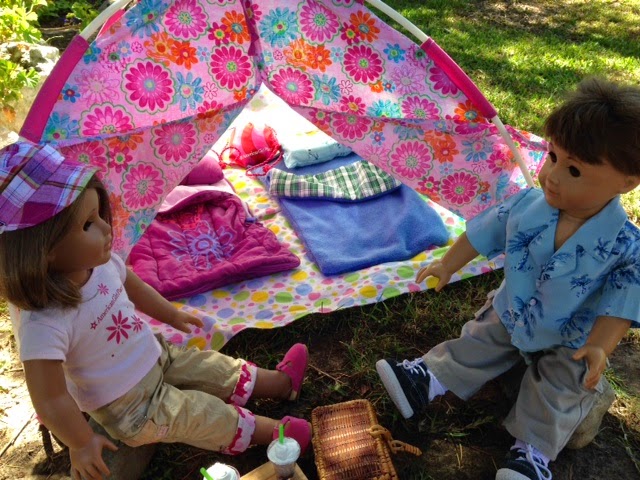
(394, 445)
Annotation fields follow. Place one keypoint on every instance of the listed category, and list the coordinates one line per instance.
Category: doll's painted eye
(574, 171)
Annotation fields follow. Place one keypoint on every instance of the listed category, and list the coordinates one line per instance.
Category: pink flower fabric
(142, 186)
(230, 66)
(149, 85)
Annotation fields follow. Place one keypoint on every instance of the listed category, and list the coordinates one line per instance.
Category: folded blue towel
(346, 236)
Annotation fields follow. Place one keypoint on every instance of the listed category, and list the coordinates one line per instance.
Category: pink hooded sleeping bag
(202, 239)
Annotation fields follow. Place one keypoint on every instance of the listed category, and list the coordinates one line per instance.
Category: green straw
(281, 433)
(205, 474)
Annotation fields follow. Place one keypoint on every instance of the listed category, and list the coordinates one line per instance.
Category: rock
(127, 463)
(590, 426)
(40, 57)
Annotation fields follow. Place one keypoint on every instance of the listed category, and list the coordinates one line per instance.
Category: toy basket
(350, 445)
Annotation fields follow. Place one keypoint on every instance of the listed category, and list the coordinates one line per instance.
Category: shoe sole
(390, 382)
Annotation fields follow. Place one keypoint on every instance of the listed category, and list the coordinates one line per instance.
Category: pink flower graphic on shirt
(137, 323)
(103, 289)
(119, 328)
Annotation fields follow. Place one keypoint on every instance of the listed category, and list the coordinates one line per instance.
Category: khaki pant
(182, 399)
(552, 400)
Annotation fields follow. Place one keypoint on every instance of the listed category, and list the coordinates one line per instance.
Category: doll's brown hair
(600, 122)
(25, 277)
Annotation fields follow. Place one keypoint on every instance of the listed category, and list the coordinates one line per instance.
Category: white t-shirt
(104, 346)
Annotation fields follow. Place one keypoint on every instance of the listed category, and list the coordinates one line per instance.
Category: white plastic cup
(221, 471)
(284, 456)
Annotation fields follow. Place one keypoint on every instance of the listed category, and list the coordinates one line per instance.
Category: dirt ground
(475, 457)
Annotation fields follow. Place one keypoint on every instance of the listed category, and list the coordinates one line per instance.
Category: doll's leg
(481, 353)
(552, 402)
(286, 380)
(155, 411)
(234, 380)
(207, 370)
(204, 421)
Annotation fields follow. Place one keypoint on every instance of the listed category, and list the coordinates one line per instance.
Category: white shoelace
(416, 366)
(540, 468)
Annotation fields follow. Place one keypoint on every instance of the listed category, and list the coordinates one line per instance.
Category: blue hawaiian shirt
(552, 298)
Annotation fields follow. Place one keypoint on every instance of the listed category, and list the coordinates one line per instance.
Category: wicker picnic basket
(350, 445)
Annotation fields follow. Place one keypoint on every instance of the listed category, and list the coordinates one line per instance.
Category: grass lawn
(523, 55)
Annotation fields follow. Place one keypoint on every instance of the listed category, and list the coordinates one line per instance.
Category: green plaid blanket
(355, 181)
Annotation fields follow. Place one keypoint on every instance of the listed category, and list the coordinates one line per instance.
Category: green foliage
(13, 78)
(17, 23)
(77, 12)
(83, 12)
(18, 20)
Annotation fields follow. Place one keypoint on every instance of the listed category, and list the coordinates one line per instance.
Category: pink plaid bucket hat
(36, 183)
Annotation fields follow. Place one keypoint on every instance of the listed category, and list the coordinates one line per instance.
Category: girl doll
(85, 349)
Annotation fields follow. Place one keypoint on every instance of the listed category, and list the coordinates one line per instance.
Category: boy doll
(571, 289)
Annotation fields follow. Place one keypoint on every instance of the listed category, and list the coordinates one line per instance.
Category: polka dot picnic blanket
(279, 299)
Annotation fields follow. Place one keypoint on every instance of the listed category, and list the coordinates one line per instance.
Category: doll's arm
(60, 413)
(460, 253)
(149, 301)
(601, 342)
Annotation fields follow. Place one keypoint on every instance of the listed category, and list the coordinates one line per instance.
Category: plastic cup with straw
(220, 471)
(283, 454)
(205, 474)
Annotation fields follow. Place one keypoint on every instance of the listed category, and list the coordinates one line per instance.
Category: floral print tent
(161, 82)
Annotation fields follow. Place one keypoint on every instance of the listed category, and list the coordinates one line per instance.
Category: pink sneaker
(296, 428)
(294, 364)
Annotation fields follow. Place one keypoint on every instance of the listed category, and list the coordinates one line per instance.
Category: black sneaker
(522, 464)
(407, 383)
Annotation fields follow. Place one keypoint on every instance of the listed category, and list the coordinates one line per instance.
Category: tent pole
(512, 146)
(410, 27)
(97, 22)
(423, 37)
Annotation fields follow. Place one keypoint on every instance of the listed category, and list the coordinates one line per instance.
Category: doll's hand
(87, 463)
(435, 269)
(182, 320)
(596, 359)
